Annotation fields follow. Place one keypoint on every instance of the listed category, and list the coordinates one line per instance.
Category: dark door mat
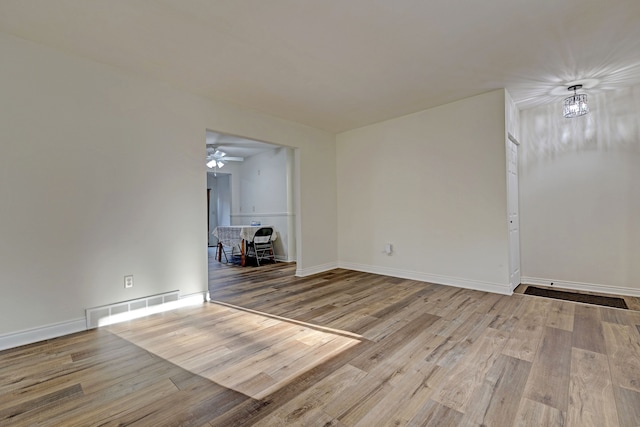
(570, 296)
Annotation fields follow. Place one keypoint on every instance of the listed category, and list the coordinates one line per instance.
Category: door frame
(515, 274)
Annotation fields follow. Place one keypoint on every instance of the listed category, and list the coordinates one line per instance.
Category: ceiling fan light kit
(575, 105)
(215, 163)
(217, 158)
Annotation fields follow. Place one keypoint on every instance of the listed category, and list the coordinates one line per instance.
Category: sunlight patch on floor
(244, 350)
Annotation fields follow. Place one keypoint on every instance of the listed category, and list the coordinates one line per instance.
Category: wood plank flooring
(340, 348)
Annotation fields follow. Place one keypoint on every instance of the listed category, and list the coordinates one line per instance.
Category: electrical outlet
(128, 281)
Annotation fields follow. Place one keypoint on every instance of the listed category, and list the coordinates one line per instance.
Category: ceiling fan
(217, 158)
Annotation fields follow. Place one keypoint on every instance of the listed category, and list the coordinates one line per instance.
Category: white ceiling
(342, 64)
(235, 146)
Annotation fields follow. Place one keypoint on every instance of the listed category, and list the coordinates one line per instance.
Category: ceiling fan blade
(232, 159)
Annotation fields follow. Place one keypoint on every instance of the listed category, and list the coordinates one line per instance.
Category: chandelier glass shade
(575, 105)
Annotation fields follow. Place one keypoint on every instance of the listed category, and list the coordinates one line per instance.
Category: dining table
(237, 236)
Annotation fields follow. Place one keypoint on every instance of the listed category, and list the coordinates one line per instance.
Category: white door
(514, 223)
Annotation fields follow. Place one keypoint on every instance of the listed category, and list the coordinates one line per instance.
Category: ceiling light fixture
(215, 163)
(576, 104)
(217, 158)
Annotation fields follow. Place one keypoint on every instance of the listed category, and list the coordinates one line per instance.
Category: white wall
(220, 203)
(84, 203)
(580, 195)
(434, 185)
(262, 195)
(224, 199)
(263, 183)
(212, 185)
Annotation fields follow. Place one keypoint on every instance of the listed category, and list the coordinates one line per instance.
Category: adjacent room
(250, 190)
(416, 213)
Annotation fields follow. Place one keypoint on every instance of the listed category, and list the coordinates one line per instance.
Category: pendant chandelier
(575, 105)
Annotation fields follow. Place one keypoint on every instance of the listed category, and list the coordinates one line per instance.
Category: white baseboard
(30, 336)
(477, 285)
(579, 286)
(303, 272)
(140, 307)
(55, 330)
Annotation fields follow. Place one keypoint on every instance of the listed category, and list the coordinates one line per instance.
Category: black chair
(261, 247)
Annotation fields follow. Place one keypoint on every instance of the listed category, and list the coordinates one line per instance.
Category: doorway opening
(251, 182)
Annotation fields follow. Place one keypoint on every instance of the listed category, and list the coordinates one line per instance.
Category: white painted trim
(41, 333)
(458, 282)
(579, 286)
(268, 214)
(203, 294)
(55, 330)
(111, 313)
(309, 271)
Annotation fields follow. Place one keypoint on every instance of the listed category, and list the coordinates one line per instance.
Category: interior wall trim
(309, 271)
(266, 214)
(496, 288)
(42, 333)
(579, 286)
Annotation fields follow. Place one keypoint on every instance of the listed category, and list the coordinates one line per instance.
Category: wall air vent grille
(118, 312)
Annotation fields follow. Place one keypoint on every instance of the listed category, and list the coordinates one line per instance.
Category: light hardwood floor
(340, 348)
